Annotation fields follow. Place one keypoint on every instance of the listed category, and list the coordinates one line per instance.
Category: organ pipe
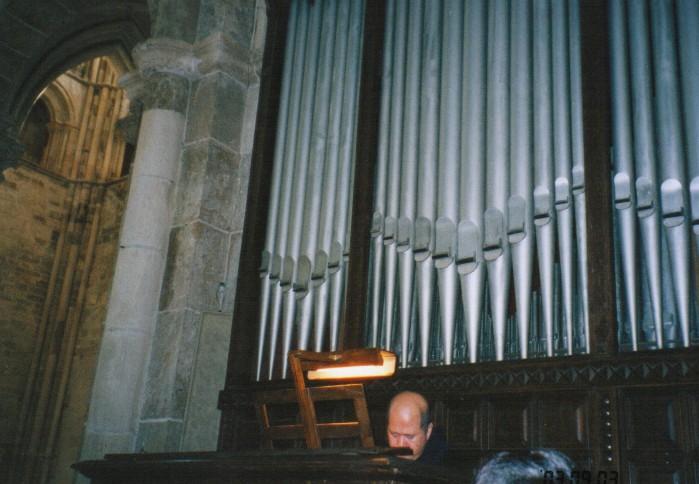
(688, 37)
(671, 156)
(578, 172)
(394, 171)
(423, 245)
(274, 204)
(340, 246)
(520, 221)
(378, 220)
(562, 160)
(544, 219)
(448, 182)
(645, 160)
(496, 249)
(470, 262)
(408, 182)
(624, 172)
(292, 173)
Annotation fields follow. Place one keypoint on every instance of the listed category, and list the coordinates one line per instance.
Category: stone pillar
(117, 391)
(164, 352)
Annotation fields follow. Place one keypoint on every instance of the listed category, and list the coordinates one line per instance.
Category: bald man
(409, 426)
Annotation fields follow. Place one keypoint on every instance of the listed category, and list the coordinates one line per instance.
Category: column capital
(220, 53)
(158, 90)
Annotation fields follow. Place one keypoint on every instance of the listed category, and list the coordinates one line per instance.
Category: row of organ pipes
(655, 128)
(478, 232)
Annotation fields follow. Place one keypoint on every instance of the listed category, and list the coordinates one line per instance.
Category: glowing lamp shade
(350, 364)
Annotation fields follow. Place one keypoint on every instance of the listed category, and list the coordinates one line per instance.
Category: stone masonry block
(208, 188)
(217, 110)
(196, 263)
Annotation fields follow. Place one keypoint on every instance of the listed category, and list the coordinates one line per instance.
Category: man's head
(409, 423)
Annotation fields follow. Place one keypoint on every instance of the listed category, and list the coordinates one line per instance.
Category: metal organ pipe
(274, 205)
(302, 150)
(347, 138)
(688, 30)
(423, 245)
(496, 248)
(544, 219)
(469, 260)
(670, 152)
(408, 180)
(624, 172)
(520, 229)
(378, 229)
(562, 160)
(313, 199)
(647, 204)
(448, 182)
(578, 172)
(395, 148)
(330, 151)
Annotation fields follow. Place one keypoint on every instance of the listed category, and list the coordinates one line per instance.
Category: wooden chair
(306, 396)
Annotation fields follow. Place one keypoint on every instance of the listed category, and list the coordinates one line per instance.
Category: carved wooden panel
(563, 421)
(464, 424)
(659, 428)
(509, 423)
(649, 474)
(652, 420)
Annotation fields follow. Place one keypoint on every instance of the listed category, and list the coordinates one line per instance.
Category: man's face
(404, 431)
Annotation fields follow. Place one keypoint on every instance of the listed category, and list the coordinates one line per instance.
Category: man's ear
(429, 431)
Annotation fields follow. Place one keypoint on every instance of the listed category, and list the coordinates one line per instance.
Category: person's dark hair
(425, 419)
(540, 465)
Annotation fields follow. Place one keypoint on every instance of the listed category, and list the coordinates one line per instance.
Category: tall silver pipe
(300, 177)
(379, 216)
(544, 217)
(449, 154)
(624, 172)
(346, 160)
(308, 264)
(520, 216)
(330, 179)
(562, 159)
(423, 245)
(578, 154)
(671, 158)
(275, 318)
(394, 168)
(409, 162)
(647, 203)
(470, 262)
(289, 163)
(688, 30)
(496, 247)
(275, 188)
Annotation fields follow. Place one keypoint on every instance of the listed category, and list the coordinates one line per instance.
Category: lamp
(337, 365)
(351, 364)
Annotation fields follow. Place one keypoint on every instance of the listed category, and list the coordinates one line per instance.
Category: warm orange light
(385, 369)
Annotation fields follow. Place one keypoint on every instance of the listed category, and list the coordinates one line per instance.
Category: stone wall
(89, 334)
(31, 210)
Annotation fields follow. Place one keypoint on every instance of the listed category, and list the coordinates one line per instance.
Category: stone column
(163, 357)
(117, 391)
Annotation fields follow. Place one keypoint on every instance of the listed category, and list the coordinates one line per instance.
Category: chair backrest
(309, 429)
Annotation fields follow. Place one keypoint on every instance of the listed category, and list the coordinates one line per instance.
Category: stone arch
(103, 30)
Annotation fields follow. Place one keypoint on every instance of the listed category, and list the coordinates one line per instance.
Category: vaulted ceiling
(40, 39)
